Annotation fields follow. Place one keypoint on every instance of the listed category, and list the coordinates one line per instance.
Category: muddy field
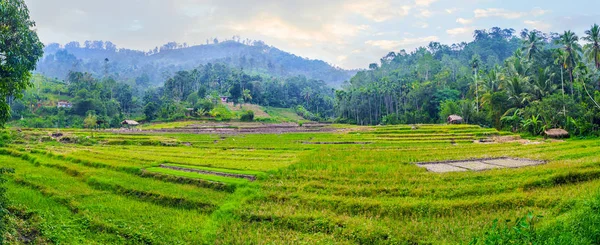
(246, 128)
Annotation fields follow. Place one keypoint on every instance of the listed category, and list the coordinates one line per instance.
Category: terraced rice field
(358, 185)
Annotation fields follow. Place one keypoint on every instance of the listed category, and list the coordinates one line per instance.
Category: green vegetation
(20, 49)
(356, 185)
(528, 84)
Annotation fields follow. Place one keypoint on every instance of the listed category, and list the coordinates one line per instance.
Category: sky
(348, 34)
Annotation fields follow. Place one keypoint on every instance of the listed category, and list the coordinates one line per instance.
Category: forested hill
(104, 58)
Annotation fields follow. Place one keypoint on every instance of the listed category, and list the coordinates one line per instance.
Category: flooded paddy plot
(478, 164)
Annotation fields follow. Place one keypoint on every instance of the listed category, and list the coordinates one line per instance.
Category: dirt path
(239, 176)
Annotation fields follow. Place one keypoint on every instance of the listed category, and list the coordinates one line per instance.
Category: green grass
(307, 192)
(284, 114)
(214, 178)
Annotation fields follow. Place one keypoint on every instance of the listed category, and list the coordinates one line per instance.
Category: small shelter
(455, 119)
(130, 123)
(224, 99)
(557, 133)
(64, 104)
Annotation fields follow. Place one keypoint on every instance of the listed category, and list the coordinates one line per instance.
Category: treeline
(102, 59)
(187, 94)
(200, 88)
(106, 99)
(529, 82)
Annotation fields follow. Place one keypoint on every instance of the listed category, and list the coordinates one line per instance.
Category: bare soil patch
(478, 164)
(248, 128)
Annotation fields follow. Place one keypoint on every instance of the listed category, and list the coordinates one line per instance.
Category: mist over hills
(104, 58)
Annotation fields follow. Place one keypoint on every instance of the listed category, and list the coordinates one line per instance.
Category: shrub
(247, 116)
(221, 113)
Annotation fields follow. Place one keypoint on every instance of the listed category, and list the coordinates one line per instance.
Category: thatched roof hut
(455, 119)
(557, 133)
(130, 123)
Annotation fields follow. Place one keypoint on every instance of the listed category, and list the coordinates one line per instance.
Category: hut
(455, 119)
(556, 133)
(129, 123)
(224, 99)
(64, 104)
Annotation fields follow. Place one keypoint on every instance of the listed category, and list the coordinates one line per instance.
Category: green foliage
(542, 76)
(150, 110)
(247, 116)
(145, 68)
(20, 49)
(448, 108)
(521, 231)
(221, 113)
(579, 226)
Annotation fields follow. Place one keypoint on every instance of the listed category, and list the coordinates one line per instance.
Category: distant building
(64, 104)
(455, 119)
(224, 99)
(130, 123)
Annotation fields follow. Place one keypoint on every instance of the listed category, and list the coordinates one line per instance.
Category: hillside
(100, 58)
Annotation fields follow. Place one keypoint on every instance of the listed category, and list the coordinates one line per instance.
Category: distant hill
(100, 58)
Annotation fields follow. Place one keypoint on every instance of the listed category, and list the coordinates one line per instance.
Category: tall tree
(570, 42)
(532, 44)
(592, 49)
(20, 50)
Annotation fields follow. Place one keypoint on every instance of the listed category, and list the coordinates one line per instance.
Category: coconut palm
(492, 80)
(532, 45)
(543, 83)
(570, 43)
(592, 49)
(516, 89)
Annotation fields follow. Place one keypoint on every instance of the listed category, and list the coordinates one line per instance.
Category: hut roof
(130, 122)
(455, 118)
(556, 132)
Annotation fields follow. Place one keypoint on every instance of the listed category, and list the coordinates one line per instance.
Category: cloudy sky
(349, 34)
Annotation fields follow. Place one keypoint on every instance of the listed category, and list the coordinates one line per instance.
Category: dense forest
(527, 82)
(198, 90)
(101, 59)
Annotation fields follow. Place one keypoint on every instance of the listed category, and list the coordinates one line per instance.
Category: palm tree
(492, 80)
(569, 40)
(592, 49)
(532, 45)
(516, 89)
(543, 84)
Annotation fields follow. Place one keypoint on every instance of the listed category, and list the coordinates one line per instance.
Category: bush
(221, 113)
(247, 116)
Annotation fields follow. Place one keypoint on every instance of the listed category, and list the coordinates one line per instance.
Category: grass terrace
(354, 185)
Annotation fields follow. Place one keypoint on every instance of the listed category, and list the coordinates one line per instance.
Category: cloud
(464, 21)
(538, 25)
(424, 3)
(424, 13)
(506, 14)
(406, 43)
(378, 10)
(460, 31)
(452, 10)
(318, 29)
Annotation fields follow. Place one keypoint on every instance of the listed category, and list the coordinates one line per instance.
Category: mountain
(103, 58)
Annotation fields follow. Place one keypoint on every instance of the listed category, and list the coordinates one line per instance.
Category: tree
(91, 121)
(20, 50)
(570, 40)
(592, 49)
(532, 45)
(150, 111)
